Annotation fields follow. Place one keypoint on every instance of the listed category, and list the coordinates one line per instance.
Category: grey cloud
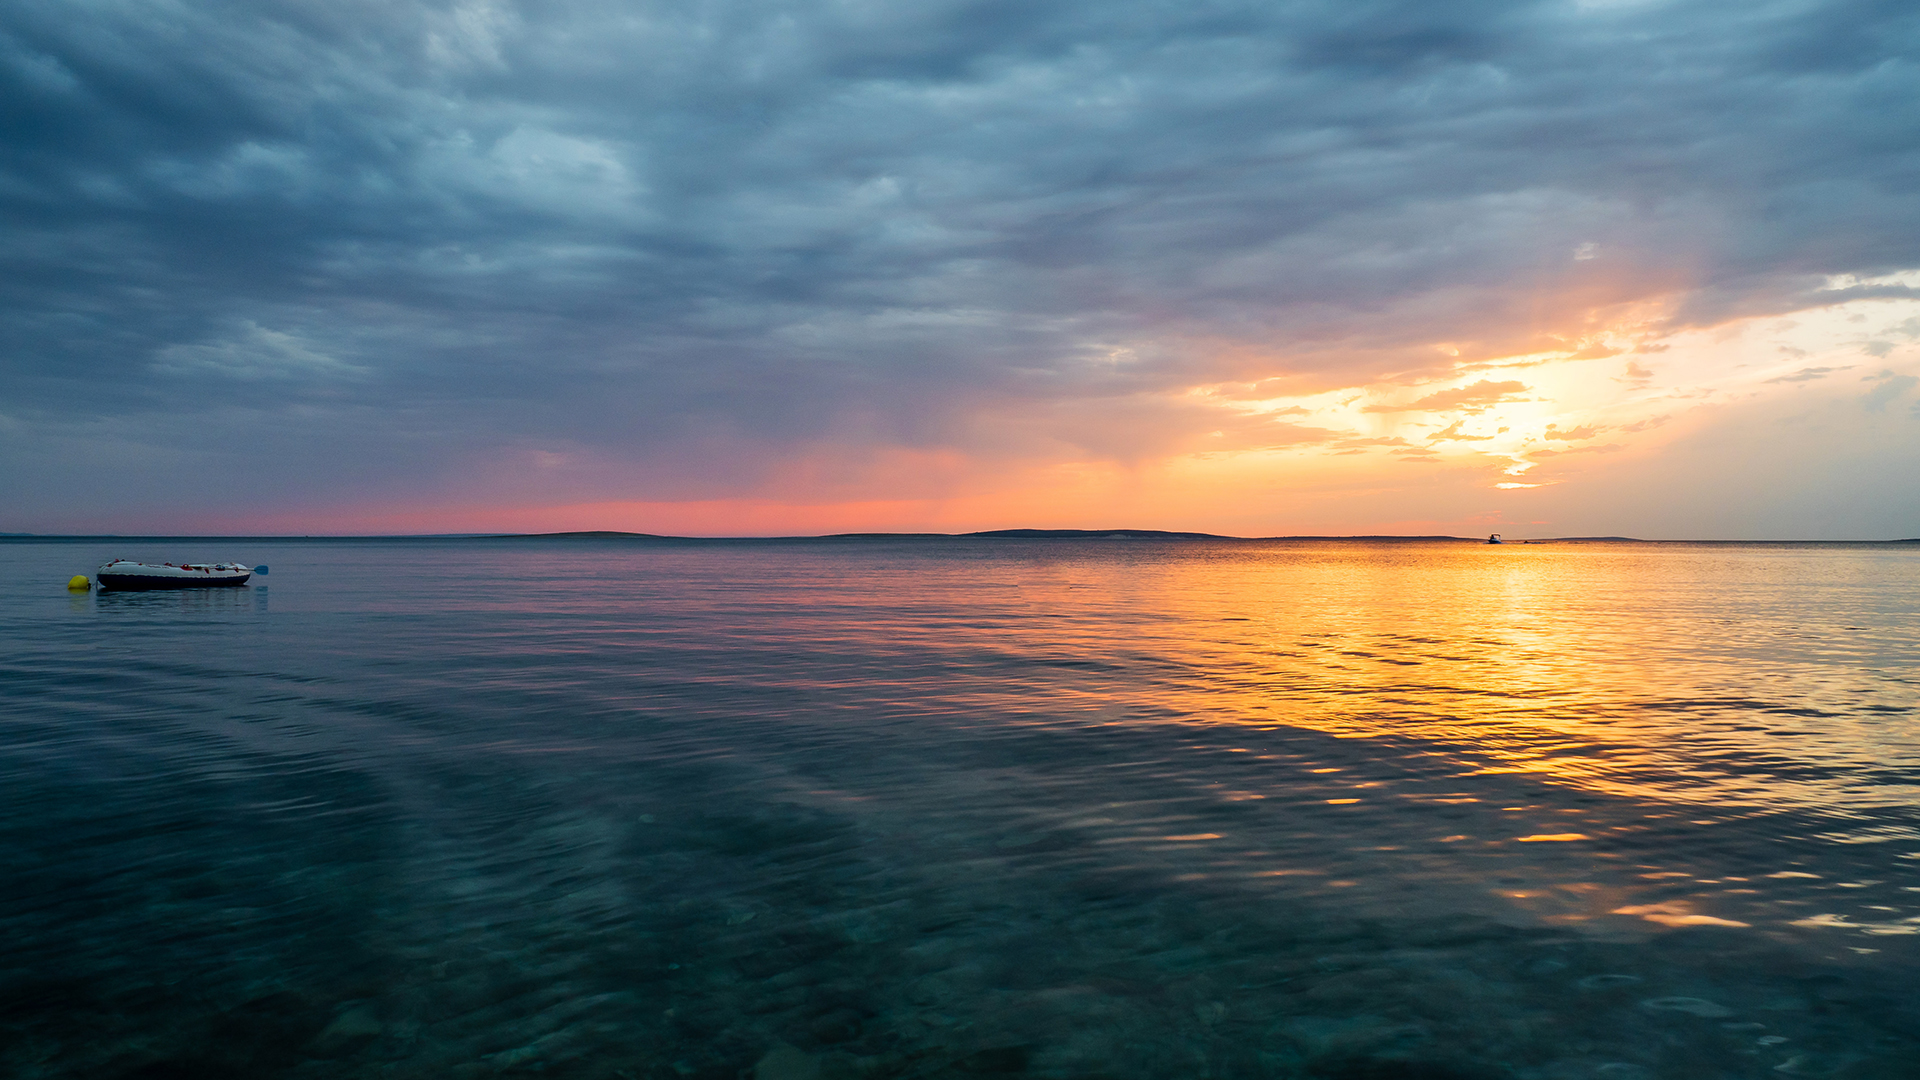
(1808, 374)
(251, 352)
(688, 238)
(1890, 387)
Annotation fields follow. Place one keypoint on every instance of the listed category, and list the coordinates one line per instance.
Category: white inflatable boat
(121, 574)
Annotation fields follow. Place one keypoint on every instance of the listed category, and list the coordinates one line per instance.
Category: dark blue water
(806, 811)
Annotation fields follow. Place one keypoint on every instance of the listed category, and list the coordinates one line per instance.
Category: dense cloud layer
(586, 250)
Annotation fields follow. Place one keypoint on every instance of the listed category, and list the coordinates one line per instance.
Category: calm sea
(958, 809)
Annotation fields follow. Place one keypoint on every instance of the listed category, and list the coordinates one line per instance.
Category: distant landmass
(987, 534)
(589, 534)
(1042, 534)
(1095, 534)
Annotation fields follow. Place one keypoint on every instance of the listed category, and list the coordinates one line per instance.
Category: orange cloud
(1454, 434)
(1585, 431)
(1479, 397)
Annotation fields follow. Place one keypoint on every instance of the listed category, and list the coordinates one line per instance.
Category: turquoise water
(804, 811)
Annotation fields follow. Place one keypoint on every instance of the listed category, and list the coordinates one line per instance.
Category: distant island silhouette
(1044, 534)
(986, 534)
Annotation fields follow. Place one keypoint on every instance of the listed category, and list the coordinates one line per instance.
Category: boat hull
(140, 581)
(128, 576)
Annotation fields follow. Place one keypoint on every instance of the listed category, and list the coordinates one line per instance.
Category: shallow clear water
(801, 811)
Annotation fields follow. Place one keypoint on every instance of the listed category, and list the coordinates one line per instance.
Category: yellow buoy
(79, 583)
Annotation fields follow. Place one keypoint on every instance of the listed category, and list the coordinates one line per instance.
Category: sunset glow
(1335, 460)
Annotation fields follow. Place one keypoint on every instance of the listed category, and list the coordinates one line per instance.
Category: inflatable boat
(121, 574)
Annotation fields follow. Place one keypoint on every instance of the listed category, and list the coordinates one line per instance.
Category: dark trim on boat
(146, 581)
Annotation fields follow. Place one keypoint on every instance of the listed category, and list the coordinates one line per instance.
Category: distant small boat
(1495, 539)
(121, 574)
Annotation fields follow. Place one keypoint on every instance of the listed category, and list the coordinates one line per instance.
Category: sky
(733, 267)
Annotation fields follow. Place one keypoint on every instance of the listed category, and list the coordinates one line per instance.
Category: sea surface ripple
(927, 808)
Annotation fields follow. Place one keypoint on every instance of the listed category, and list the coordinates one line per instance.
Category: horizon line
(984, 534)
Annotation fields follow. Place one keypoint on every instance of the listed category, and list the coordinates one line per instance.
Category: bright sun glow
(1519, 416)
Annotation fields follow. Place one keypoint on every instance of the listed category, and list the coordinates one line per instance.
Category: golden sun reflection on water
(1591, 734)
(1732, 675)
